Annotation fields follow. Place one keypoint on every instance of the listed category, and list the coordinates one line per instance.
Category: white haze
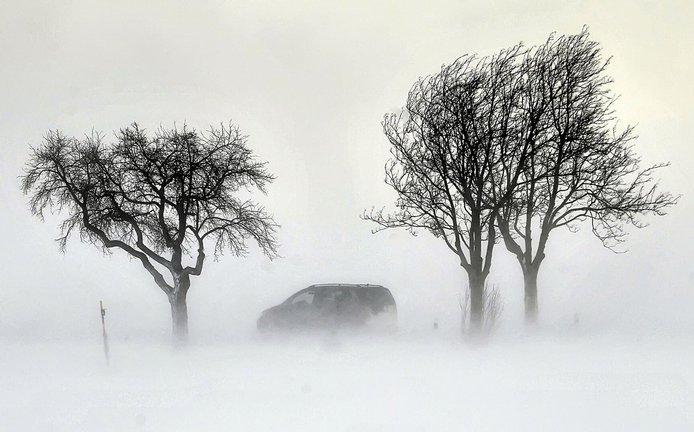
(331, 383)
(309, 83)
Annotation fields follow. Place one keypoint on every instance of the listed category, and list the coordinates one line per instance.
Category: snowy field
(427, 381)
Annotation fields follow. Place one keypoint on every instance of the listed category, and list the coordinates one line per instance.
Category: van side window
(306, 297)
(325, 298)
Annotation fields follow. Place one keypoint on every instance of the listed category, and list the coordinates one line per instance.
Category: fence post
(103, 331)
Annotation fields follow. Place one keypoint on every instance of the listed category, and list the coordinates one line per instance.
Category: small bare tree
(158, 198)
(491, 314)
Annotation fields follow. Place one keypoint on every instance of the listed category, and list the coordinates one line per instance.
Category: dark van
(333, 305)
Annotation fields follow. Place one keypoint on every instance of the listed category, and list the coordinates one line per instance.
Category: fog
(309, 83)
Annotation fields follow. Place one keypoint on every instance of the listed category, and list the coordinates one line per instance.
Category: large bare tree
(159, 197)
(580, 166)
(447, 148)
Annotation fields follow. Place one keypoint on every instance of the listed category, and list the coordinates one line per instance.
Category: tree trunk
(179, 310)
(179, 319)
(530, 284)
(476, 283)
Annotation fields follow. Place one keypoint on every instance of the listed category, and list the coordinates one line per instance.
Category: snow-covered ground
(426, 381)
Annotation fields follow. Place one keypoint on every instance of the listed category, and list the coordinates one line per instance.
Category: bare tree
(491, 313)
(580, 166)
(159, 198)
(447, 148)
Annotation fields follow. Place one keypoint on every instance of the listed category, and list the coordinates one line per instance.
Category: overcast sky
(309, 83)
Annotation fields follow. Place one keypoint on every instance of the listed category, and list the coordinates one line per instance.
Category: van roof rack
(345, 285)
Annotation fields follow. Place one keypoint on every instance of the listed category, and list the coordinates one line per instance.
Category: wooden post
(103, 331)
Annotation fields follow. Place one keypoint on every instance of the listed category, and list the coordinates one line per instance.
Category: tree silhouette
(159, 198)
(446, 166)
(580, 166)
